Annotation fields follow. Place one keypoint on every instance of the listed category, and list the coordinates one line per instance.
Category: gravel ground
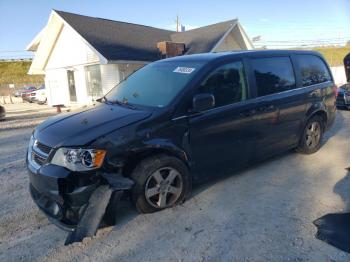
(264, 213)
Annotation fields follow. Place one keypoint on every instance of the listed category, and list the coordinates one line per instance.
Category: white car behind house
(39, 95)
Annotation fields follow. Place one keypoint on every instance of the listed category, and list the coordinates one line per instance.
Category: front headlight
(79, 159)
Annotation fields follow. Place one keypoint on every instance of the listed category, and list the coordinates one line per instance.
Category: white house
(84, 57)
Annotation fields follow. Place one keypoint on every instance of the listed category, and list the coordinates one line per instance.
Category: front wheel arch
(320, 113)
(134, 159)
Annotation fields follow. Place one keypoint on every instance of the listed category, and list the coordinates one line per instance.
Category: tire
(173, 184)
(310, 141)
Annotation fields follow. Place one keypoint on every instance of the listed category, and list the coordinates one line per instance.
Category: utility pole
(177, 23)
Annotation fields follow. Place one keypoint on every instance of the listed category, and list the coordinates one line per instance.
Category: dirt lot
(264, 213)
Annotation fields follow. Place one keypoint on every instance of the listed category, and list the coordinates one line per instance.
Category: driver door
(223, 138)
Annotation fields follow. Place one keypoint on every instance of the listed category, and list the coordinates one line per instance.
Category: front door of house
(71, 85)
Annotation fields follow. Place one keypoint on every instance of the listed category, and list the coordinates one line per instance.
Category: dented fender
(167, 145)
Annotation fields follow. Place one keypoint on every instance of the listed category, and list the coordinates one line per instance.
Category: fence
(7, 93)
(5, 89)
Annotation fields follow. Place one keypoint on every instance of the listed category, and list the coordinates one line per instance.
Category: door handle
(248, 112)
(266, 108)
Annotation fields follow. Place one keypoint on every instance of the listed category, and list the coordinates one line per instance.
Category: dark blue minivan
(179, 121)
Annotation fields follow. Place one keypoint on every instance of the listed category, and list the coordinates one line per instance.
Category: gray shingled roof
(117, 40)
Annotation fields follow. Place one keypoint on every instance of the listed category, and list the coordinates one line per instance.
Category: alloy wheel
(313, 134)
(163, 187)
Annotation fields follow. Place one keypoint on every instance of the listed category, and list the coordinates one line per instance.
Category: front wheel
(311, 139)
(161, 181)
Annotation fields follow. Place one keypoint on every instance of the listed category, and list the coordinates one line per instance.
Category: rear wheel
(312, 136)
(161, 181)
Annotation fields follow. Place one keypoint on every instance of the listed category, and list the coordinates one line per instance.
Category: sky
(278, 23)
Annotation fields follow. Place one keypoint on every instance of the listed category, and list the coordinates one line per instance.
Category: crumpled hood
(82, 127)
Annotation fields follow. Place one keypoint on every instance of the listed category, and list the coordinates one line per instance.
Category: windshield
(154, 85)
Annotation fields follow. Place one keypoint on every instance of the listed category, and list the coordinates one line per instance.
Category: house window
(93, 81)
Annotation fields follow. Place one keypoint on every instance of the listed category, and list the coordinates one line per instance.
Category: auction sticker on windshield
(184, 70)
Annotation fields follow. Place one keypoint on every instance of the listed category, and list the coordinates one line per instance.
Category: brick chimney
(170, 49)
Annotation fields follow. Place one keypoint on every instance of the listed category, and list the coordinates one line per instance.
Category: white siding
(127, 69)
(70, 50)
(80, 86)
(109, 76)
(56, 83)
(69, 53)
(72, 53)
(112, 74)
(235, 40)
(339, 75)
(247, 43)
(228, 44)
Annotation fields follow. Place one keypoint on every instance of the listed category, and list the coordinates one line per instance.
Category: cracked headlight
(79, 159)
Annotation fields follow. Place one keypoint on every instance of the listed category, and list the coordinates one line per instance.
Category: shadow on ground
(334, 228)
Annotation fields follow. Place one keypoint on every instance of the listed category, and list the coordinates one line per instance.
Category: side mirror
(203, 102)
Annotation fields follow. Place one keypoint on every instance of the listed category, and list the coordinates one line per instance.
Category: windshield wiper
(124, 103)
(111, 102)
(103, 100)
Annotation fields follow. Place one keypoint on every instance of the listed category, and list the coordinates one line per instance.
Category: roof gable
(203, 39)
(117, 40)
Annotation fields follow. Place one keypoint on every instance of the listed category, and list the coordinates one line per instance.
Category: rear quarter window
(313, 70)
(273, 75)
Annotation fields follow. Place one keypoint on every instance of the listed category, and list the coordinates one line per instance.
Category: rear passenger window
(273, 75)
(227, 83)
(313, 70)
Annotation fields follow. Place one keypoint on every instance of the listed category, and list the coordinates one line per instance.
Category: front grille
(40, 153)
(44, 148)
(38, 159)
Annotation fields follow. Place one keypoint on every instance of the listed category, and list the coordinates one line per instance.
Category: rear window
(313, 70)
(273, 75)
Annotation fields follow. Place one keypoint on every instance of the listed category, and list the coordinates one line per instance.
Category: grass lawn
(334, 55)
(16, 72)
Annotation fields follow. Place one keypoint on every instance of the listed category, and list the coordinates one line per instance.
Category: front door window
(227, 84)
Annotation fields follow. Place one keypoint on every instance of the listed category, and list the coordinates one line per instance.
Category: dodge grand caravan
(179, 121)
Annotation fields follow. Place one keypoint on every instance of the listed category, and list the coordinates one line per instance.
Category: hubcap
(313, 134)
(163, 187)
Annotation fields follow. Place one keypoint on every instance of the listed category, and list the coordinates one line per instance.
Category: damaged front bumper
(64, 195)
